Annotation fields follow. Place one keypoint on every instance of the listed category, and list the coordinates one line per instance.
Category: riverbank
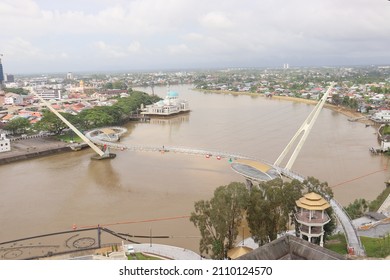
(33, 148)
(351, 114)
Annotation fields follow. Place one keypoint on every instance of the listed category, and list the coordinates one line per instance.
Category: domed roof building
(172, 94)
(170, 105)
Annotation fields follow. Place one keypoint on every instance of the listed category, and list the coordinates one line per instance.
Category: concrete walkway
(169, 252)
(33, 147)
(349, 230)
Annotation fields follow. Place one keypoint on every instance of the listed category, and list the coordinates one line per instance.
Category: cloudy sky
(116, 35)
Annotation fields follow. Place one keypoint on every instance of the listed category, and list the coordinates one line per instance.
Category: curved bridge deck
(353, 240)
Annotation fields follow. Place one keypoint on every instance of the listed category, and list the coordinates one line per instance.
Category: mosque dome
(173, 94)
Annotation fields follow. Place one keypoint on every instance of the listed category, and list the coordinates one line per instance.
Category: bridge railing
(361, 247)
(290, 174)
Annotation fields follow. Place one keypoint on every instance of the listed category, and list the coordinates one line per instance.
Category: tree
(95, 117)
(336, 99)
(119, 85)
(218, 219)
(20, 91)
(50, 122)
(272, 205)
(357, 208)
(17, 125)
(312, 184)
(116, 85)
(269, 208)
(109, 85)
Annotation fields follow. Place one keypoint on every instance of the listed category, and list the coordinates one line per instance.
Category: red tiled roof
(8, 117)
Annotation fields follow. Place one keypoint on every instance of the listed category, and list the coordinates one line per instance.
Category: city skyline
(118, 35)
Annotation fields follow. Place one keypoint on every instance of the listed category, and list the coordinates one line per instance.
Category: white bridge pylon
(304, 130)
(75, 130)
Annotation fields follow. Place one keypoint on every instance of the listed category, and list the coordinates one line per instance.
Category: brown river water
(140, 192)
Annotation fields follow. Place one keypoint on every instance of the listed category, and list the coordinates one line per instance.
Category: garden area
(375, 247)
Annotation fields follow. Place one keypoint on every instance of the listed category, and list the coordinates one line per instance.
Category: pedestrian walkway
(33, 147)
(166, 251)
(350, 232)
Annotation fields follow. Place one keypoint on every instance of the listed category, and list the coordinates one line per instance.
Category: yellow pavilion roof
(255, 164)
(107, 130)
(312, 201)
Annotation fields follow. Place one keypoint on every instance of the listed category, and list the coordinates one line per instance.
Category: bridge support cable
(75, 130)
(304, 130)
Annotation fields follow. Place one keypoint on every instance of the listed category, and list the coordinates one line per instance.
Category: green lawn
(141, 257)
(386, 130)
(375, 247)
(67, 138)
(337, 243)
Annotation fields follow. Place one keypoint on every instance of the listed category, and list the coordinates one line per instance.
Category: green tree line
(360, 206)
(98, 116)
(16, 90)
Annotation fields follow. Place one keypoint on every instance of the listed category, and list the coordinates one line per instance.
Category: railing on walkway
(353, 240)
(351, 235)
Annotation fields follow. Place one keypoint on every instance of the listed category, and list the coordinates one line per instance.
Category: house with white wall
(5, 144)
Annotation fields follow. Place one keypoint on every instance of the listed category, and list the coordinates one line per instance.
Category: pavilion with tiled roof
(312, 216)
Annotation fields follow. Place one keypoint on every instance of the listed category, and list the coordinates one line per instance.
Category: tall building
(1, 74)
(10, 78)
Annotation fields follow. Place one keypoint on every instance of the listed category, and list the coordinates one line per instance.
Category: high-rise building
(10, 78)
(1, 74)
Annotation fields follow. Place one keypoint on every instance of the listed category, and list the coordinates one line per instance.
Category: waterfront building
(170, 105)
(382, 116)
(385, 143)
(5, 144)
(312, 217)
(383, 138)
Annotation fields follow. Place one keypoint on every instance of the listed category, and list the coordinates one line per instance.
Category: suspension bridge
(252, 169)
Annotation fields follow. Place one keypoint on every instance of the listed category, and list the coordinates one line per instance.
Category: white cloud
(21, 49)
(110, 51)
(179, 49)
(222, 32)
(117, 51)
(134, 47)
(216, 20)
